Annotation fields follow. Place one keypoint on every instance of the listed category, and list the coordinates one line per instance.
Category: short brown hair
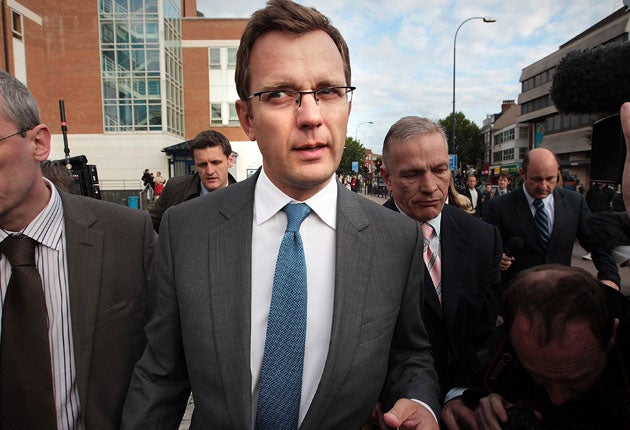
(210, 139)
(290, 17)
(553, 295)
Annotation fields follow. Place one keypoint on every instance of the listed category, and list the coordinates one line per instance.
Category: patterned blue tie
(281, 374)
(542, 220)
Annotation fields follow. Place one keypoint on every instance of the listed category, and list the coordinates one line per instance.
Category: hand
(491, 410)
(625, 126)
(409, 415)
(505, 262)
(610, 283)
(457, 416)
(376, 419)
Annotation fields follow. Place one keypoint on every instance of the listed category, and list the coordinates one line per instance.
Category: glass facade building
(141, 66)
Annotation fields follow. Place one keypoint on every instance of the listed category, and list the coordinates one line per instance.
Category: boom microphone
(513, 246)
(595, 80)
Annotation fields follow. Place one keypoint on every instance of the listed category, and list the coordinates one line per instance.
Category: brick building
(136, 76)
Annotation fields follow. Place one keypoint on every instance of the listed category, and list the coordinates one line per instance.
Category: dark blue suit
(511, 213)
(470, 253)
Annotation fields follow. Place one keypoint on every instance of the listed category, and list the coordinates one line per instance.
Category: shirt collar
(548, 201)
(268, 200)
(47, 226)
(434, 222)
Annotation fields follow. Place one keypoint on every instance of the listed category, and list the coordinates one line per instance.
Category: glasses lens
(334, 95)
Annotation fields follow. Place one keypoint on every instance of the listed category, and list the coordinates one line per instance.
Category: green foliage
(468, 138)
(353, 151)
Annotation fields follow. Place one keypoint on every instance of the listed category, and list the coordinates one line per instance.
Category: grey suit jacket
(199, 324)
(109, 251)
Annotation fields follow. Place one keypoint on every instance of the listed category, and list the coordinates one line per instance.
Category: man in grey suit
(93, 259)
(213, 277)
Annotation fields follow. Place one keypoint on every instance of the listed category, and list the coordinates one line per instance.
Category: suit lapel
(230, 299)
(453, 247)
(351, 276)
(560, 211)
(524, 215)
(84, 248)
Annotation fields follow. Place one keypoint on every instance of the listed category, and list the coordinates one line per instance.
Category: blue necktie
(542, 220)
(281, 374)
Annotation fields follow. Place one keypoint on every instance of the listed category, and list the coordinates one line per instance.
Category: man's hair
(289, 17)
(17, 105)
(210, 139)
(505, 175)
(553, 295)
(408, 127)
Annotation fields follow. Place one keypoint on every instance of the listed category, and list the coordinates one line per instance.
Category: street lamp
(485, 19)
(356, 132)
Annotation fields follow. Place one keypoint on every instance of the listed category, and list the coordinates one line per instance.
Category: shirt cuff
(453, 392)
(427, 407)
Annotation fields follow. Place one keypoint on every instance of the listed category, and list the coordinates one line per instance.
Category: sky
(401, 52)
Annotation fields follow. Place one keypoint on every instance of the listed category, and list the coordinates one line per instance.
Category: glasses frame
(21, 132)
(298, 100)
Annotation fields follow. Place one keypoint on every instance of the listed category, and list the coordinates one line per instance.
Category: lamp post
(485, 19)
(356, 132)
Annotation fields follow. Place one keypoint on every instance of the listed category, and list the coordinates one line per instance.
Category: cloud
(402, 51)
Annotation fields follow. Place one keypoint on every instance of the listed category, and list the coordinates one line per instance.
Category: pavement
(576, 260)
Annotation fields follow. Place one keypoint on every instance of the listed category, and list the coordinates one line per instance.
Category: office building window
(138, 95)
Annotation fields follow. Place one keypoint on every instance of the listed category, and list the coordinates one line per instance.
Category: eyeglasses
(283, 99)
(20, 132)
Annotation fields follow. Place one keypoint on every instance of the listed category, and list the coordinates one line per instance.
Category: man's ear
(613, 337)
(244, 117)
(386, 178)
(40, 136)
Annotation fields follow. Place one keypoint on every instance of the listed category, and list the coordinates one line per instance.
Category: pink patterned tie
(431, 259)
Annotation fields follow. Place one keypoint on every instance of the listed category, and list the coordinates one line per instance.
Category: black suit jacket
(466, 192)
(511, 213)
(470, 253)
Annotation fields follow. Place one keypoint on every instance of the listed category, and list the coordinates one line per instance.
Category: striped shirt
(50, 257)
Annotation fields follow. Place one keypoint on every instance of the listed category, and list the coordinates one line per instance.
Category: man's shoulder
(87, 210)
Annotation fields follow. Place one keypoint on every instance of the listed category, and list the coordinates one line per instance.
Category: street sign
(452, 161)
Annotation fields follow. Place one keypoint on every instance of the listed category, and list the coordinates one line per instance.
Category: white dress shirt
(318, 237)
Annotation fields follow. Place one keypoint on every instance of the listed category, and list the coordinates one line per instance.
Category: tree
(468, 138)
(353, 151)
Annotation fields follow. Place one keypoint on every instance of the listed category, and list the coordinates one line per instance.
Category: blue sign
(355, 166)
(452, 161)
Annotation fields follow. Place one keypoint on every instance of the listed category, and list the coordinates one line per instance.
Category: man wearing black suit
(565, 214)
(416, 171)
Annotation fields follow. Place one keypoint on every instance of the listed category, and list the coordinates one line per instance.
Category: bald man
(548, 237)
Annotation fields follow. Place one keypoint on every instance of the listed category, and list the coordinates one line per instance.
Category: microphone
(595, 80)
(513, 246)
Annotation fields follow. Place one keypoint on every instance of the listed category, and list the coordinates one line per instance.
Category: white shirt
(318, 237)
(47, 228)
(548, 204)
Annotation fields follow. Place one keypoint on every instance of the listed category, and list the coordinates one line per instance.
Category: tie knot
(296, 213)
(427, 230)
(538, 203)
(19, 249)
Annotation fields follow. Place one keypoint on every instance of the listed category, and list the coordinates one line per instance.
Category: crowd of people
(460, 312)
